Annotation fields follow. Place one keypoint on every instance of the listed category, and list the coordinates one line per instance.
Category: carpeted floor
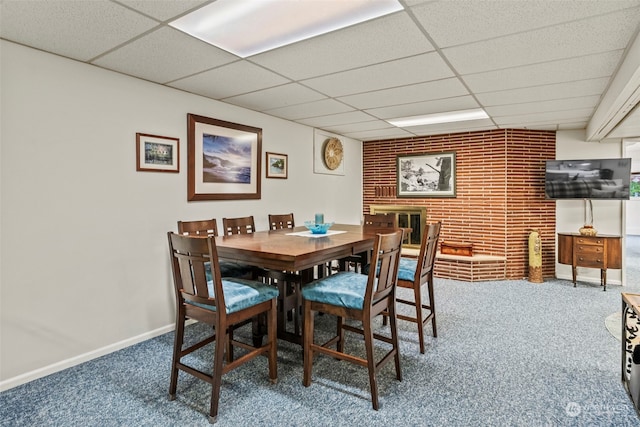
(509, 353)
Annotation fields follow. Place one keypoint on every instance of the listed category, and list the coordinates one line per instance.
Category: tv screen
(607, 179)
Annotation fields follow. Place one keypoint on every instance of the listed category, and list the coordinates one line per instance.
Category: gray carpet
(509, 353)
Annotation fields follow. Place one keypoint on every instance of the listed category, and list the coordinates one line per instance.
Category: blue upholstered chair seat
(406, 269)
(344, 289)
(240, 294)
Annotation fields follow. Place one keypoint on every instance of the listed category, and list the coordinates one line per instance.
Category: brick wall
(499, 192)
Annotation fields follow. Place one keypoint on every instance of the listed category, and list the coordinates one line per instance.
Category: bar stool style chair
(242, 225)
(281, 221)
(374, 222)
(355, 296)
(416, 272)
(209, 227)
(220, 303)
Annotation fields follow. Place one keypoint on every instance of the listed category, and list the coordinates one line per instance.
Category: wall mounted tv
(607, 179)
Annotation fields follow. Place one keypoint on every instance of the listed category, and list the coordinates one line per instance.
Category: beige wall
(84, 263)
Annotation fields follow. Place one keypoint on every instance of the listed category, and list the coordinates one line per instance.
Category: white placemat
(310, 234)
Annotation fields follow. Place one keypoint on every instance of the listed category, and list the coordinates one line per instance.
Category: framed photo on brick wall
(426, 175)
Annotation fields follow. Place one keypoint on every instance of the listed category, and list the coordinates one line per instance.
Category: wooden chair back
(384, 220)
(191, 258)
(279, 222)
(427, 256)
(205, 227)
(386, 255)
(242, 225)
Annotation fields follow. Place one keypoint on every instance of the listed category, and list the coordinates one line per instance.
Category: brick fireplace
(499, 197)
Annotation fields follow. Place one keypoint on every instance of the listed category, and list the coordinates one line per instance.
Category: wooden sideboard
(602, 251)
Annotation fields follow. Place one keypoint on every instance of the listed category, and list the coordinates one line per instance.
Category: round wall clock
(332, 153)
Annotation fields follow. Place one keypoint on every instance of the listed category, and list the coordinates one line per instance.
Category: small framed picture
(277, 165)
(157, 153)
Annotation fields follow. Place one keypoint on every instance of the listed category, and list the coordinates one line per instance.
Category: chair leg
(273, 343)
(432, 304)
(371, 363)
(394, 338)
(340, 334)
(221, 341)
(417, 292)
(307, 341)
(177, 347)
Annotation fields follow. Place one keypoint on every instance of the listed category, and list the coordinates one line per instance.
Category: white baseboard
(68, 363)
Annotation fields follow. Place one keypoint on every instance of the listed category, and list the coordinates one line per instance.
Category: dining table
(296, 256)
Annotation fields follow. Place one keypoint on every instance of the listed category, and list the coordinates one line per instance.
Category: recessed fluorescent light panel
(249, 27)
(432, 119)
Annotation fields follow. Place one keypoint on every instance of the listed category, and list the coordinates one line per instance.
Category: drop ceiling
(530, 64)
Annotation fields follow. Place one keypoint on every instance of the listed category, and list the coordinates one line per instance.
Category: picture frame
(426, 175)
(155, 153)
(277, 165)
(224, 159)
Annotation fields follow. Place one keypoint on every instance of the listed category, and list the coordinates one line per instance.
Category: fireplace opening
(412, 217)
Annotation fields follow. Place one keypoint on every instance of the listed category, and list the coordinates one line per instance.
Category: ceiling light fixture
(431, 119)
(249, 27)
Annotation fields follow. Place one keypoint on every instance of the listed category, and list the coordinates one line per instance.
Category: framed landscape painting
(156, 153)
(426, 175)
(223, 159)
(277, 165)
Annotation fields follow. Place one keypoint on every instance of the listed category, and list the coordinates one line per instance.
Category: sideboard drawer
(590, 261)
(589, 249)
(589, 241)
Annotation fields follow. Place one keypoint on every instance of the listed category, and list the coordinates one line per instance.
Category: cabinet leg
(573, 273)
(603, 279)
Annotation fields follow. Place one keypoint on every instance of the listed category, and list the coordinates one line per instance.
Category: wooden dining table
(298, 252)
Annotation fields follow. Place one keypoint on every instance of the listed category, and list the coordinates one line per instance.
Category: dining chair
(242, 225)
(218, 302)
(414, 273)
(281, 221)
(209, 227)
(371, 222)
(350, 295)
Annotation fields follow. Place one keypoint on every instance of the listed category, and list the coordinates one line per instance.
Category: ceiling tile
(336, 119)
(164, 55)
(310, 109)
(544, 106)
(229, 80)
(438, 89)
(548, 117)
(579, 38)
(163, 10)
(383, 39)
(544, 93)
(380, 134)
(428, 107)
(400, 72)
(275, 97)
(567, 70)
(76, 29)
(359, 126)
(447, 22)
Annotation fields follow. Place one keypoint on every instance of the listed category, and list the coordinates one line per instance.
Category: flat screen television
(607, 179)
